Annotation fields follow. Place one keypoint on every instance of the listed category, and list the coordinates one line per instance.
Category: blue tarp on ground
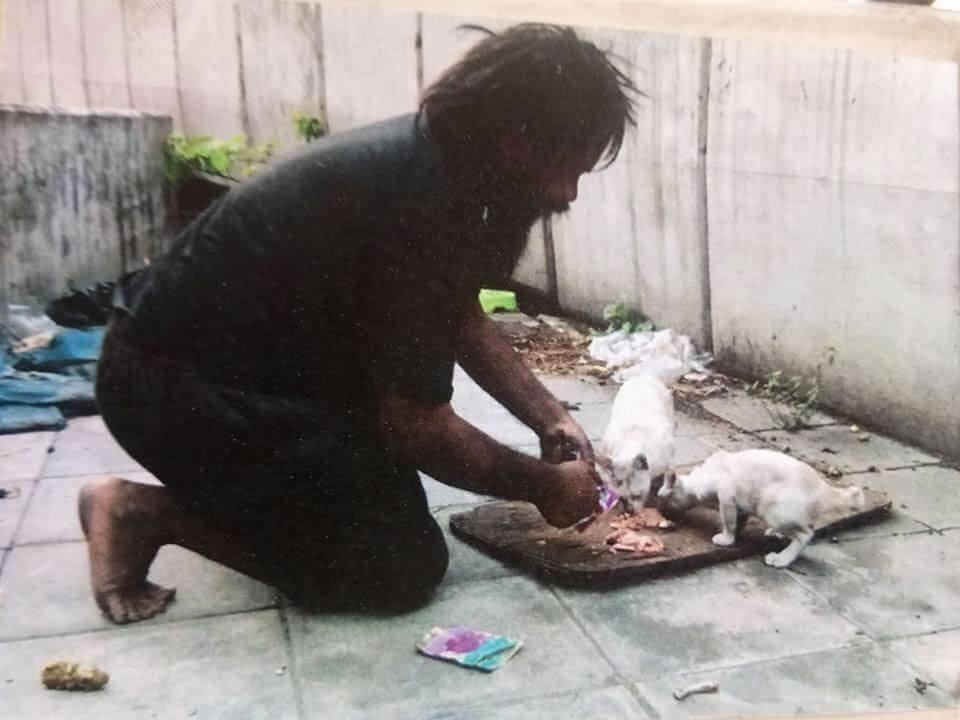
(40, 388)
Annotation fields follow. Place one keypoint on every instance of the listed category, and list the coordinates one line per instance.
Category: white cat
(638, 446)
(787, 494)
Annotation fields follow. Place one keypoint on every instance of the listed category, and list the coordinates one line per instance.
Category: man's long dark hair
(542, 82)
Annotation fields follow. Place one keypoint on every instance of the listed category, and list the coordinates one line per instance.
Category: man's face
(553, 184)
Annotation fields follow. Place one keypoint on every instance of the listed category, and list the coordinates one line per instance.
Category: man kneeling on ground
(286, 368)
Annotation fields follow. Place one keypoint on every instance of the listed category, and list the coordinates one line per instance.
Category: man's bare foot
(122, 541)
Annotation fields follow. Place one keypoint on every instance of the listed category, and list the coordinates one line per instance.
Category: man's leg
(255, 485)
(125, 524)
(373, 563)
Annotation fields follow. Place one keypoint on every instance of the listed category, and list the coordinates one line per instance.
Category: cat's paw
(770, 532)
(723, 539)
(775, 560)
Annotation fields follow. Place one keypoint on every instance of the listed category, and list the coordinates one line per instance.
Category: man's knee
(415, 572)
(396, 577)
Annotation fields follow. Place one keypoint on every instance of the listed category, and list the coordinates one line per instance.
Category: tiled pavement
(848, 630)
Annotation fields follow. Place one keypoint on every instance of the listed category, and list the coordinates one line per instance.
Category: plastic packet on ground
(470, 648)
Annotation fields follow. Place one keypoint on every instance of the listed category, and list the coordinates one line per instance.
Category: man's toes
(145, 607)
(115, 608)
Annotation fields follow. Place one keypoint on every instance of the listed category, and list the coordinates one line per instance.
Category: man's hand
(571, 494)
(565, 440)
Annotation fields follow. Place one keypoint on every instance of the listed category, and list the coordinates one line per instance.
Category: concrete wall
(217, 67)
(781, 205)
(81, 198)
(832, 183)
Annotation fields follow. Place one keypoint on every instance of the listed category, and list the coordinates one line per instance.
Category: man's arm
(489, 359)
(448, 448)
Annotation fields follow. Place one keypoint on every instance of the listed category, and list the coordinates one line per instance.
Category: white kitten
(638, 445)
(788, 495)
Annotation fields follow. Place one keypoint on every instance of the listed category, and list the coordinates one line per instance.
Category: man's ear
(640, 462)
(605, 462)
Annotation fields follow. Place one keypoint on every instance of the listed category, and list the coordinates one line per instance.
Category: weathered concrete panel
(105, 50)
(804, 270)
(282, 66)
(776, 110)
(532, 268)
(81, 198)
(634, 233)
(66, 55)
(903, 122)
(11, 79)
(830, 113)
(152, 58)
(208, 66)
(444, 42)
(370, 64)
(35, 51)
(596, 255)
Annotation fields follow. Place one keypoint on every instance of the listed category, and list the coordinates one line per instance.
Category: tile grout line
(897, 468)
(138, 627)
(294, 668)
(631, 687)
(48, 451)
(780, 658)
(914, 636)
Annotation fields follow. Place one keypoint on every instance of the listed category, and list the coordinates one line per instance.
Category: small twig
(698, 689)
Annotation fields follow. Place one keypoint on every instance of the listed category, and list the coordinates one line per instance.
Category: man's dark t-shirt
(337, 274)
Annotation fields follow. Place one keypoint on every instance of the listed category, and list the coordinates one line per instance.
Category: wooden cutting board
(516, 532)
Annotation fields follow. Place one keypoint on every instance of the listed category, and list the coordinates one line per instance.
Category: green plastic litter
(493, 300)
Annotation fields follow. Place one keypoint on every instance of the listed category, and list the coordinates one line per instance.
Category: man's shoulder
(397, 147)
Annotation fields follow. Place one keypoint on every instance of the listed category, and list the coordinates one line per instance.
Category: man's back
(280, 285)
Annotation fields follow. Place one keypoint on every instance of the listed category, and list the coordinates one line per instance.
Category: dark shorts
(329, 510)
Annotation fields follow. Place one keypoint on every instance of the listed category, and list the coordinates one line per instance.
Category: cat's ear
(640, 462)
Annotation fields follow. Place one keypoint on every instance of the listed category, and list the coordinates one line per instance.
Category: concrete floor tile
(217, 668)
(500, 425)
(845, 451)
(615, 703)
(52, 515)
(895, 524)
(12, 508)
(735, 613)
(928, 494)
(579, 390)
(850, 680)
(440, 495)
(691, 450)
(333, 651)
(86, 447)
(466, 562)
(45, 590)
(736, 441)
(593, 419)
(22, 455)
(891, 587)
(753, 413)
(936, 658)
(700, 426)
